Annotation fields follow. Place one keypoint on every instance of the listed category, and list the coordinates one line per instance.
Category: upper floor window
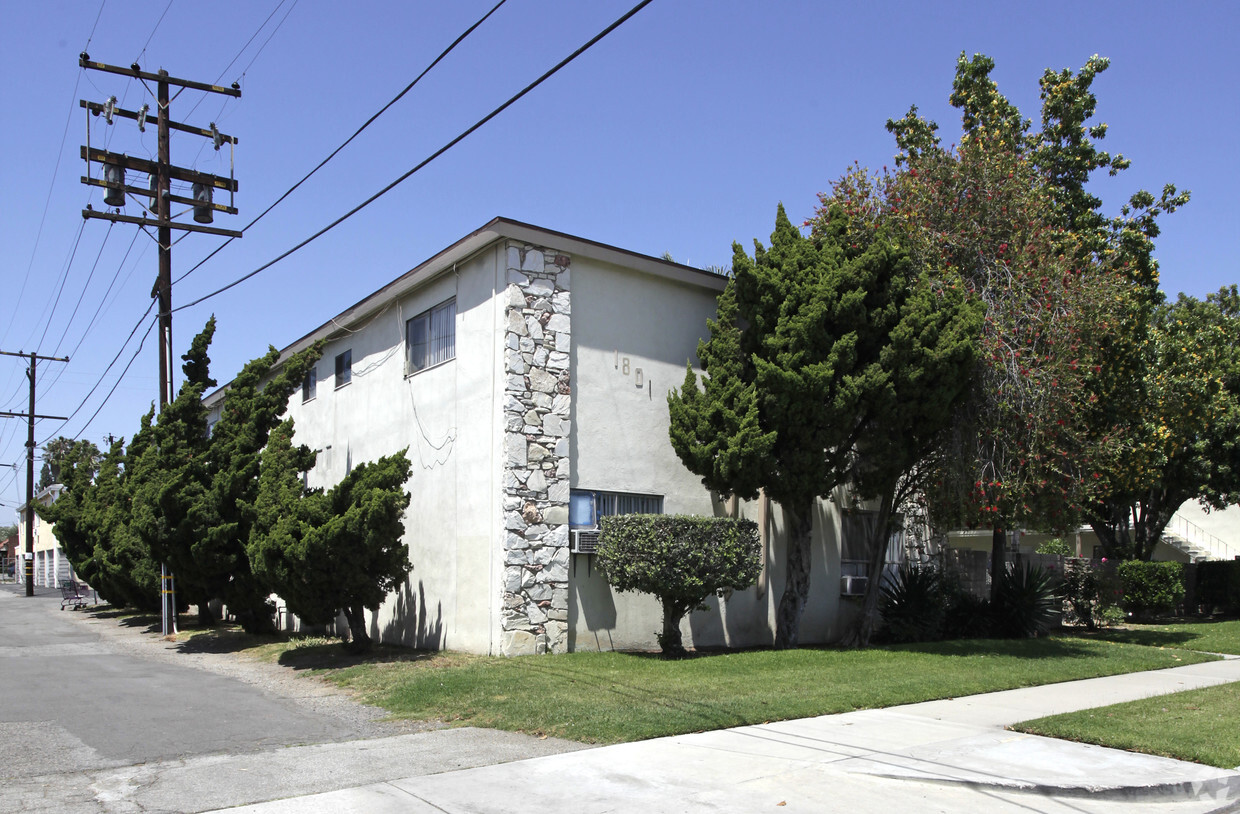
(431, 336)
(344, 368)
(308, 384)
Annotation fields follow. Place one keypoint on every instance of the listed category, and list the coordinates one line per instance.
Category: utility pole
(160, 174)
(30, 374)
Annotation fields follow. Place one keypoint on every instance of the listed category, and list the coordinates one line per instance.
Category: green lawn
(1197, 725)
(1207, 635)
(612, 697)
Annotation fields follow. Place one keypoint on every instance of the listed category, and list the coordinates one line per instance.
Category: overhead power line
(98, 310)
(60, 287)
(103, 375)
(346, 142)
(115, 385)
(46, 204)
(253, 36)
(85, 287)
(93, 27)
(104, 300)
(465, 134)
(368, 122)
(248, 42)
(167, 8)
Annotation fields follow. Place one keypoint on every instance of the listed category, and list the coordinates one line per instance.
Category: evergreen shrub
(680, 559)
(1091, 593)
(1151, 588)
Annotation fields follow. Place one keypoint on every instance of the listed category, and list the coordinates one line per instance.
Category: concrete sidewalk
(951, 755)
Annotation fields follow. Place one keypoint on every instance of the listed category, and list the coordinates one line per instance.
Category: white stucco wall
(635, 322)
(633, 335)
(446, 416)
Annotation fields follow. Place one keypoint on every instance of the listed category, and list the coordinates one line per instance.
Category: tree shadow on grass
(1144, 636)
(1051, 647)
(223, 639)
(320, 655)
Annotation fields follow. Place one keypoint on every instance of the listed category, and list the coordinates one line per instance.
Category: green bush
(1025, 604)
(1090, 591)
(913, 606)
(1151, 588)
(680, 559)
(1218, 586)
(1058, 547)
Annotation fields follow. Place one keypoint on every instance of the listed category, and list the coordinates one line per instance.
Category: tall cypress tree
(333, 552)
(252, 407)
(794, 379)
(172, 480)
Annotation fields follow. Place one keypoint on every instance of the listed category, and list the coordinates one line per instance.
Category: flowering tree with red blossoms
(1066, 291)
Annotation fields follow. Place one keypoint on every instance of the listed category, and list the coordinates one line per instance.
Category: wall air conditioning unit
(853, 586)
(583, 541)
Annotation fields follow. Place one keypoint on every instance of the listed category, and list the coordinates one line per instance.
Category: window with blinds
(586, 507)
(431, 336)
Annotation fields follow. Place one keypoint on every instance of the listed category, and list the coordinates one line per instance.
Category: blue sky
(680, 132)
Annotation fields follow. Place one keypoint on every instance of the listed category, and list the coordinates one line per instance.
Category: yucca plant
(1026, 603)
(913, 608)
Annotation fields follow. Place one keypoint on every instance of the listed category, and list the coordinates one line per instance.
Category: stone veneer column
(537, 398)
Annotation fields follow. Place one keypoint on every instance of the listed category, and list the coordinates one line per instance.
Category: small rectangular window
(309, 384)
(581, 510)
(586, 507)
(431, 336)
(344, 368)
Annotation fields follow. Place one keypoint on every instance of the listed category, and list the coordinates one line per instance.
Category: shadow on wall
(826, 616)
(747, 618)
(410, 623)
(592, 601)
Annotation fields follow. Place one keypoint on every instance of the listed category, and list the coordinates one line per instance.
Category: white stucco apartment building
(527, 372)
(51, 567)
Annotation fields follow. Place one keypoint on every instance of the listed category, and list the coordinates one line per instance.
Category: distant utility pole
(158, 193)
(30, 374)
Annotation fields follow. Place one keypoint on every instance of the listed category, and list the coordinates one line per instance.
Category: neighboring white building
(1193, 535)
(51, 568)
(527, 372)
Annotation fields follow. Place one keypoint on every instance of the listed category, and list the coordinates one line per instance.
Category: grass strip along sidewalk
(613, 697)
(1197, 725)
(1206, 635)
